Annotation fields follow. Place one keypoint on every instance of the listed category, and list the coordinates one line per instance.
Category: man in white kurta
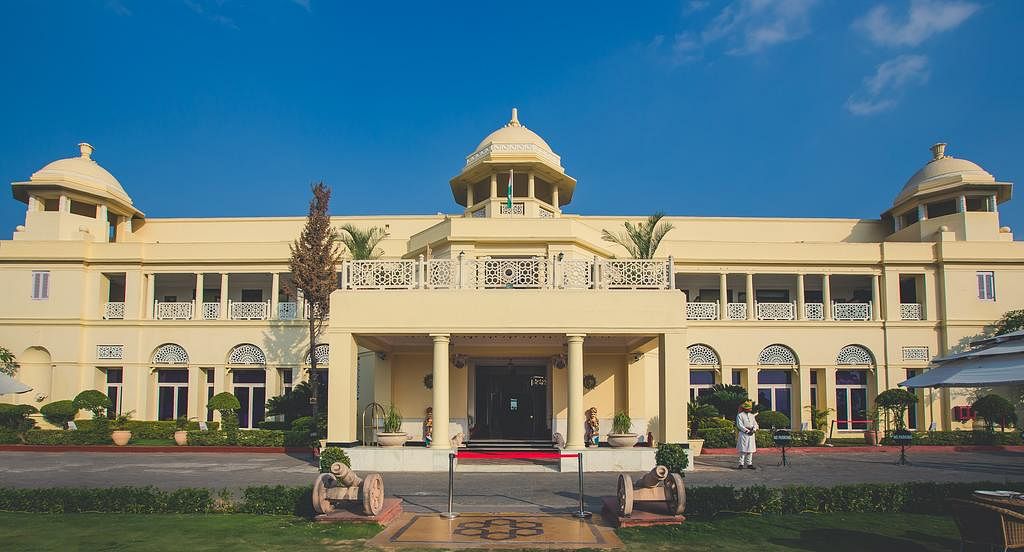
(746, 427)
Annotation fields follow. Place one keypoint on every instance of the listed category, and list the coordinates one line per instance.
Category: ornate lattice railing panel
(382, 274)
(113, 311)
(173, 310)
(702, 311)
(110, 352)
(443, 273)
(529, 273)
(211, 311)
(518, 209)
(814, 311)
(851, 311)
(288, 311)
(635, 274)
(917, 352)
(575, 273)
(776, 311)
(249, 310)
(737, 311)
(910, 311)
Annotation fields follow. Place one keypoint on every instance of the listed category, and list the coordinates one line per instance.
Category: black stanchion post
(451, 487)
(582, 513)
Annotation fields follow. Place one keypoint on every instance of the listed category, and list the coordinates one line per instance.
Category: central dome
(513, 133)
(83, 173)
(940, 170)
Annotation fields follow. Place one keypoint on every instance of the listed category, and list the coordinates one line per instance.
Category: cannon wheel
(625, 495)
(373, 494)
(323, 482)
(675, 494)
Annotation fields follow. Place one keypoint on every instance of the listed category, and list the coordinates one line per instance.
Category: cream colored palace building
(509, 310)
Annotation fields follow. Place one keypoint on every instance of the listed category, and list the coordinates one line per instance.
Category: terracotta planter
(696, 445)
(181, 438)
(621, 440)
(871, 438)
(389, 440)
(121, 437)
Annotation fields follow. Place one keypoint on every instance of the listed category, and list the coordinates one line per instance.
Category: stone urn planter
(621, 440)
(696, 445)
(181, 438)
(389, 440)
(871, 437)
(121, 437)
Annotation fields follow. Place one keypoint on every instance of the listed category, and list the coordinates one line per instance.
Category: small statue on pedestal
(428, 426)
(593, 427)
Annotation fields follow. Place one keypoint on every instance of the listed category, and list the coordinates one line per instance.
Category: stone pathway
(507, 530)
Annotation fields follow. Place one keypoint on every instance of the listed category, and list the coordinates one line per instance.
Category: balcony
(702, 311)
(776, 311)
(249, 310)
(851, 311)
(508, 273)
(910, 311)
(211, 311)
(737, 311)
(814, 311)
(173, 310)
(113, 311)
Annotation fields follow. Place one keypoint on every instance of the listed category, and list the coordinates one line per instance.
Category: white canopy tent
(994, 361)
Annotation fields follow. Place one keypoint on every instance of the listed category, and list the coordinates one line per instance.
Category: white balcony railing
(113, 311)
(702, 311)
(910, 311)
(173, 310)
(508, 273)
(851, 311)
(249, 310)
(211, 311)
(737, 311)
(287, 311)
(814, 311)
(776, 311)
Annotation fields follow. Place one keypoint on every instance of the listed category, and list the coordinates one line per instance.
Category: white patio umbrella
(994, 361)
(11, 386)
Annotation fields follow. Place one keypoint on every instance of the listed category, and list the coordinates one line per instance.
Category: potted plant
(392, 436)
(620, 435)
(121, 435)
(871, 433)
(181, 435)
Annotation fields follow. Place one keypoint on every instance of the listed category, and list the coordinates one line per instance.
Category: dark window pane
(702, 377)
(842, 409)
(287, 377)
(115, 375)
(851, 377)
(764, 400)
(766, 377)
(782, 402)
(814, 397)
(703, 392)
(172, 376)
(242, 393)
(182, 402)
(859, 407)
(814, 377)
(209, 395)
(210, 376)
(249, 376)
(114, 400)
(165, 403)
(259, 400)
(735, 378)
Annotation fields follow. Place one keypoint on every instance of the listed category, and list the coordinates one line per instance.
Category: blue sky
(749, 108)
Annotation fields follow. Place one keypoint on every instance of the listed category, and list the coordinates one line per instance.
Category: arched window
(702, 355)
(322, 352)
(777, 355)
(856, 355)
(170, 353)
(247, 354)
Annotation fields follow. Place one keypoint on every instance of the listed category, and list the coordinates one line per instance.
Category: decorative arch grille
(856, 355)
(170, 353)
(247, 354)
(322, 352)
(777, 355)
(703, 355)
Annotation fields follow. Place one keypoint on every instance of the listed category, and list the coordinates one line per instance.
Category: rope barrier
(512, 455)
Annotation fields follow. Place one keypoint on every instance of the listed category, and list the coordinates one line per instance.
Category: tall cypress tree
(314, 264)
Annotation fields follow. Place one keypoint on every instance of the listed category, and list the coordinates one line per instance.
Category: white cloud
(304, 4)
(199, 8)
(924, 19)
(883, 90)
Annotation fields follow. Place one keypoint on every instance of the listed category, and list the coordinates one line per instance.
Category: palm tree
(362, 243)
(642, 239)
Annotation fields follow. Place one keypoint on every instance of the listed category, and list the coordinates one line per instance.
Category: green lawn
(227, 532)
(152, 443)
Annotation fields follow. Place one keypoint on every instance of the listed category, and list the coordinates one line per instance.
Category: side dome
(941, 172)
(78, 174)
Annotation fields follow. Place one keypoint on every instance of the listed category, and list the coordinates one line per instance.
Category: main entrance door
(511, 402)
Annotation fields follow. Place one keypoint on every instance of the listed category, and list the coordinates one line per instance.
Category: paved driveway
(487, 491)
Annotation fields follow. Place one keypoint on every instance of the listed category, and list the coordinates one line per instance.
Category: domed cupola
(74, 198)
(539, 184)
(948, 195)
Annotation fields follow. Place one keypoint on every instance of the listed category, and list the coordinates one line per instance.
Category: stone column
(220, 385)
(469, 196)
(827, 386)
(275, 286)
(751, 315)
(922, 213)
(530, 187)
(150, 295)
(441, 399)
(341, 388)
(197, 308)
(723, 296)
(801, 305)
(928, 299)
(196, 392)
(876, 304)
(803, 400)
(575, 418)
(224, 296)
(554, 196)
(826, 295)
(494, 186)
(673, 388)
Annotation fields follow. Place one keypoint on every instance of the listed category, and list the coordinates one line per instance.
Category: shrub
(59, 413)
(8, 437)
(698, 414)
(15, 417)
(60, 437)
(958, 438)
(248, 438)
(271, 424)
(227, 404)
(207, 438)
(726, 438)
(304, 424)
(393, 420)
(807, 438)
(296, 439)
(773, 419)
(673, 456)
(819, 418)
(277, 500)
(331, 455)
(141, 429)
(725, 398)
(996, 410)
(621, 423)
(294, 404)
(896, 402)
(717, 422)
(93, 401)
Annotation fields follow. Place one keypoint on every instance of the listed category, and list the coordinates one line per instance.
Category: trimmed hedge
(8, 437)
(954, 438)
(140, 429)
(726, 438)
(58, 437)
(911, 497)
(246, 438)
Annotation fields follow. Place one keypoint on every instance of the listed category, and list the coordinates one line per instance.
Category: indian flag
(510, 175)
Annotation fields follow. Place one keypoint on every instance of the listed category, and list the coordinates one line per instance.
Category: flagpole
(511, 176)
